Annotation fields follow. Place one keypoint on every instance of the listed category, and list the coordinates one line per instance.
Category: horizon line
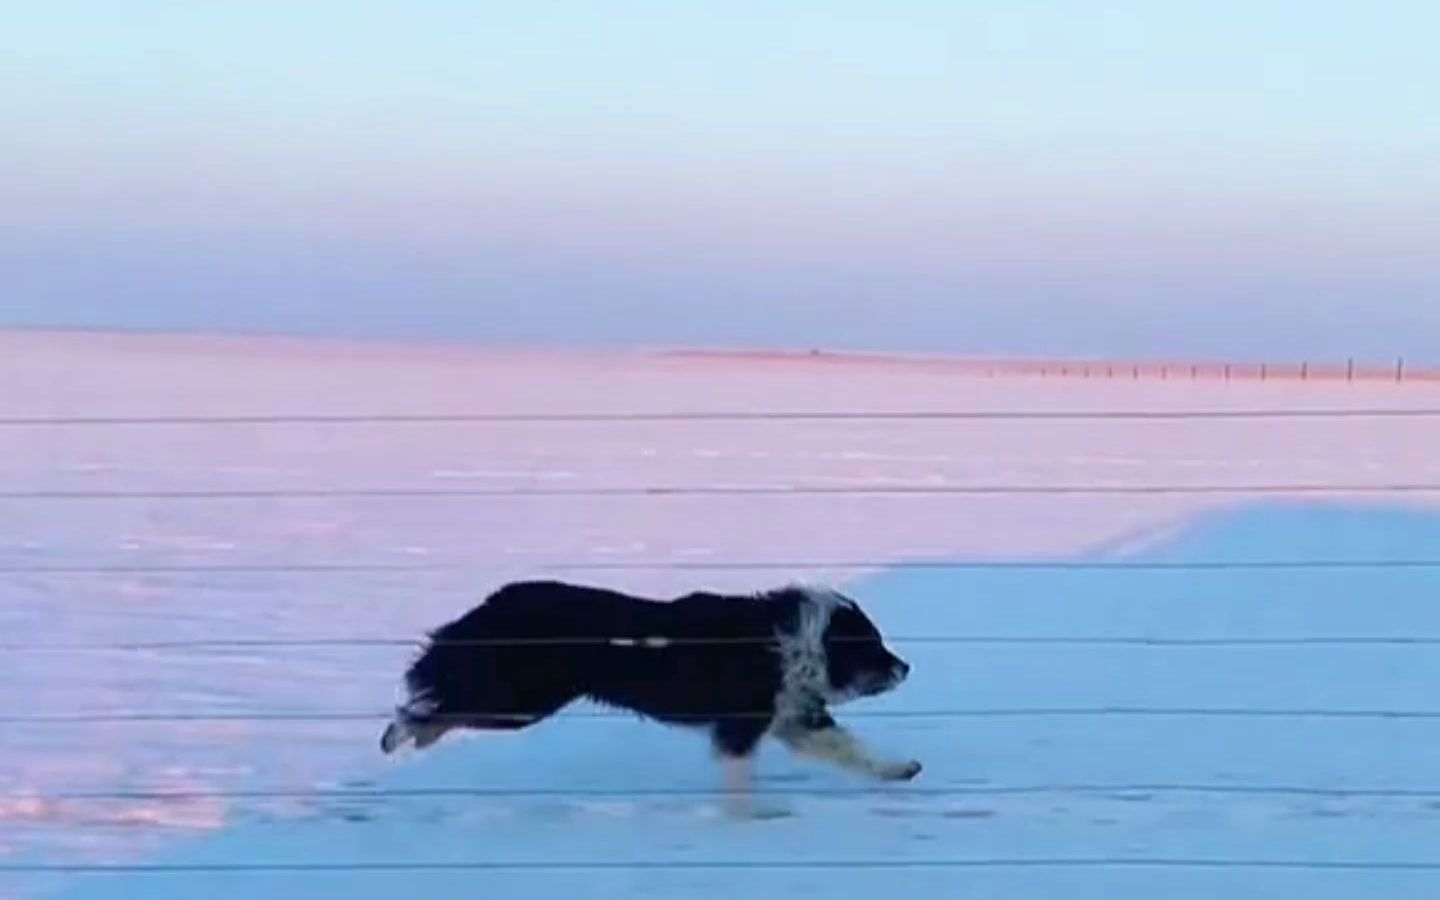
(997, 364)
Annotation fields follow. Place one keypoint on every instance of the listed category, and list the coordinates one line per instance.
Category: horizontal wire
(657, 643)
(1058, 862)
(1121, 791)
(720, 490)
(722, 416)
(1011, 565)
(226, 568)
(720, 565)
(521, 715)
(320, 642)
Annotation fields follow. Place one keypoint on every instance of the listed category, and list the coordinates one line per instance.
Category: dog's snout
(902, 669)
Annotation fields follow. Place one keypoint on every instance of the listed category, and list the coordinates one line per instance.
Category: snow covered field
(1133, 731)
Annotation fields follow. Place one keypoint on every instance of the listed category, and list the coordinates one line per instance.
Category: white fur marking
(650, 643)
(397, 734)
(804, 680)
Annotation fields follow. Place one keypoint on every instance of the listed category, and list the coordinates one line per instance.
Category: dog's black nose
(901, 670)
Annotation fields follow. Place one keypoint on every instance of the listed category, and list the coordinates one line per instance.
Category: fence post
(1263, 371)
(1399, 369)
(1350, 369)
(1305, 371)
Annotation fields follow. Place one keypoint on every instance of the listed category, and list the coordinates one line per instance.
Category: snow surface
(1123, 772)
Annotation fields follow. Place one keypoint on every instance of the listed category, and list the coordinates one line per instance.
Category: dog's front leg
(819, 736)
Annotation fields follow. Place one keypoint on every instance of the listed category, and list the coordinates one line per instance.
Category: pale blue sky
(1214, 178)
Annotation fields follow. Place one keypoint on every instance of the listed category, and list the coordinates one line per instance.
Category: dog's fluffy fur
(738, 666)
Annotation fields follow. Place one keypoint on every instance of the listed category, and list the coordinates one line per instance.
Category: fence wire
(692, 416)
(659, 864)
(323, 716)
(718, 490)
(742, 490)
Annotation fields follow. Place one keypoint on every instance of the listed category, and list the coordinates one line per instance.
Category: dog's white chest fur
(804, 676)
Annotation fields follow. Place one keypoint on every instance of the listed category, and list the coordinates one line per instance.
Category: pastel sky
(1236, 178)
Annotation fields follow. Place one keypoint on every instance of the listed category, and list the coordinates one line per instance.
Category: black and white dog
(738, 666)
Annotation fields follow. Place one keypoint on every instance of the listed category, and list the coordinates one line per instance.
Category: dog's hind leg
(483, 705)
(423, 732)
(403, 731)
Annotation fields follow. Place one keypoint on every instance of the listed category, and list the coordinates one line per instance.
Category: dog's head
(857, 662)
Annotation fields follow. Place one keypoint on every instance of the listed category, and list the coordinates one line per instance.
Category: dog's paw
(904, 771)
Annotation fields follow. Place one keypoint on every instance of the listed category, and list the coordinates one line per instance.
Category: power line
(316, 643)
(875, 490)
(1059, 862)
(725, 565)
(972, 713)
(717, 416)
(1110, 790)
(223, 568)
(1011, 565)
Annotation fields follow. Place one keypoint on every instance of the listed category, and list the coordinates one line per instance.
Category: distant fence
(1399, 370)
(1396, 372)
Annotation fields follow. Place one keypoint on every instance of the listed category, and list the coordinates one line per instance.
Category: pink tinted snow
(98, 375)
(466, 545)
